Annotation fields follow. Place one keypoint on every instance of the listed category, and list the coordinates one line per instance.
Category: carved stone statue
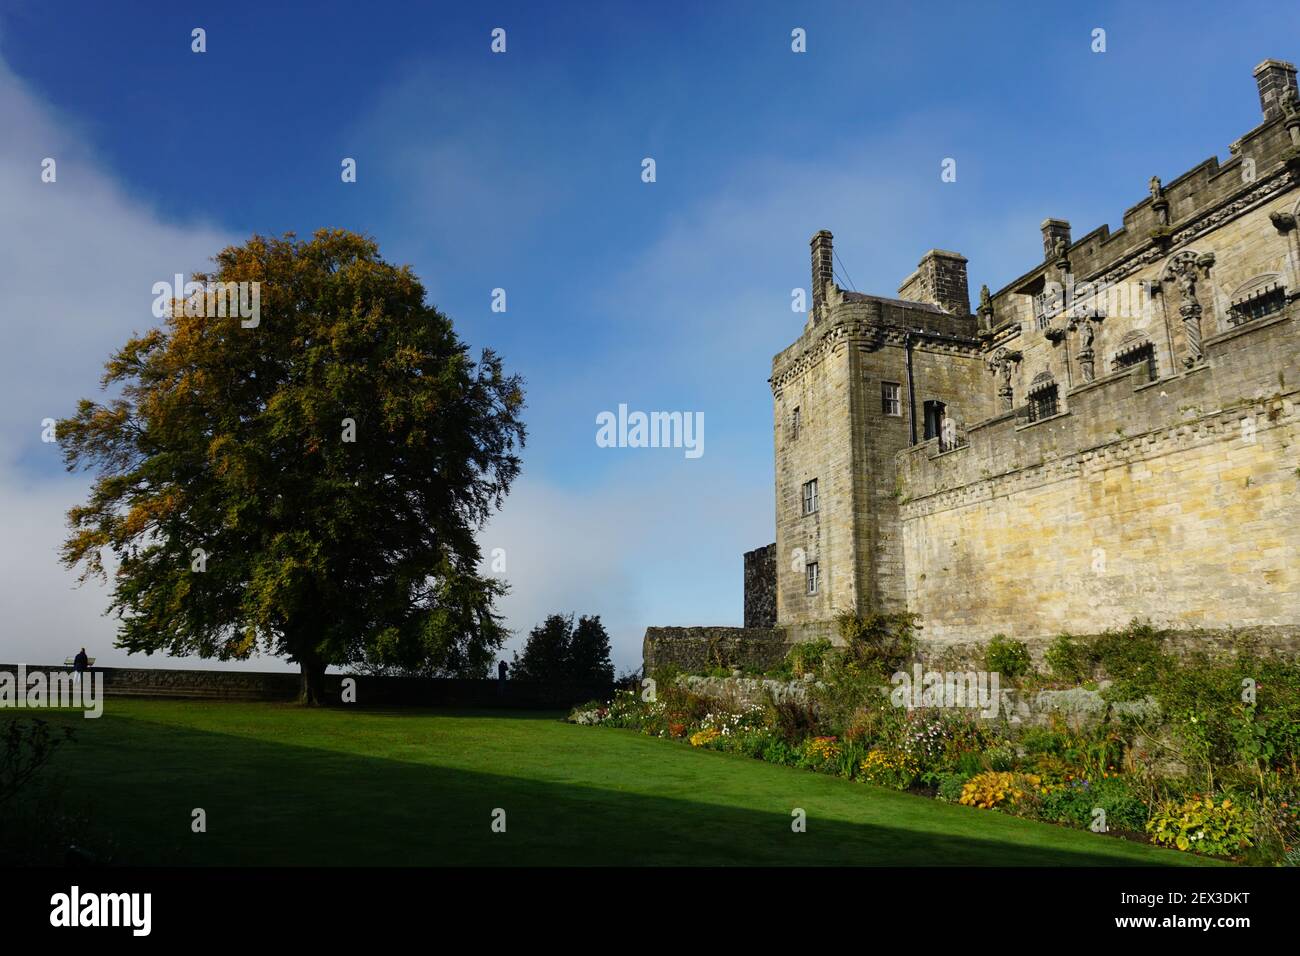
(986, 300)
(1290, 103)
(1002, 363)
(1086, 333)
(1059, 247)
(1157, 190)
(1082, 323)
(1187, 268)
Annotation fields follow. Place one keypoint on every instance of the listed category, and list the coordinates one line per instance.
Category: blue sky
(522, 171)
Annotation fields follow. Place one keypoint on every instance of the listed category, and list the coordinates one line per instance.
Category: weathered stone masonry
(1113, 434)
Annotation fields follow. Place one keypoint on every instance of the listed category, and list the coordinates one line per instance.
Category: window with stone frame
(1047, 306)
(794, 423)
(811, 577)
(1257, 303)
(1043, 404)
(810, 497)
(1136, 351)
(891, 399)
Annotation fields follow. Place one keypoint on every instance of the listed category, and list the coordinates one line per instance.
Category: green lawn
(284, 785)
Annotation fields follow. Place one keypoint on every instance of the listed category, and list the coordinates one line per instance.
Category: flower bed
(1198, 754)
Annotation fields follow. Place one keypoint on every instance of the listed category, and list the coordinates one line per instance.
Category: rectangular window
(810, 496)
(891, 399)
(794, 422)
(1261, 303)
(1042, 404)
(810, 574)
(1047, 306)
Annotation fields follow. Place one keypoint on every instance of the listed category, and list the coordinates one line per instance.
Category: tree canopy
(557, 650)
(310, 485)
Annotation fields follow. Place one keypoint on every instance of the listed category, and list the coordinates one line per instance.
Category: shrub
(1007, 657)
(702, 738)
(1066, 659)
(889, 768)
(25, 747)
(1076, 801)
(790, 719)
(1202, 824)
(877, 642)
(808, 657)
(993, 790)
(849, 702)
(1132, 657)
(818, 751)
(950, 787)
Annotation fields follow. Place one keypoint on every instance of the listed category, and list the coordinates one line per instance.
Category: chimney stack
(1054, 229)
(823, 270)
(939, 279)
(1273, 77)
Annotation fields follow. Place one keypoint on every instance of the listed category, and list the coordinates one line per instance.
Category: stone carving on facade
(1059, 249)
(1002, 363)
(1188, 268)
(985, 308)
(1231, 210)
(1158, 201)
(1082, 323)
(1290, 103)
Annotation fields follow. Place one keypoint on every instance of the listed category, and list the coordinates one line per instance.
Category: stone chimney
(1054, 229)
(1273, 77)
(939, 279)
(823, 271)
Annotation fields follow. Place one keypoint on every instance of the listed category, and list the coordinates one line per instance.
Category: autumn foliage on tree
(309, 487)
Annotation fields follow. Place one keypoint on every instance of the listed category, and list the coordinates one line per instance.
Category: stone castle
(1113, 434)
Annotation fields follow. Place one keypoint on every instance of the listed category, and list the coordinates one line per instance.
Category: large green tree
(310, 486)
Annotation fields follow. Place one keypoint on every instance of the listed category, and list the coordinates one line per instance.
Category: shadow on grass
(275, 803)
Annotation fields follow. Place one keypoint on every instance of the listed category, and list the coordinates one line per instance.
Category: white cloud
(78, 258)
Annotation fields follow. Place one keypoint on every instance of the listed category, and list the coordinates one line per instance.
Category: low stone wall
(379, 691)
(1077, 706)
(747, 691)
(700, 648)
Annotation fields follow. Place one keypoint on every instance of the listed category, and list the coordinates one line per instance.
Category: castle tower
(868, 378)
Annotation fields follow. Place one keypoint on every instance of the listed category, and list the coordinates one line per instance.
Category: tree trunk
(312, 688)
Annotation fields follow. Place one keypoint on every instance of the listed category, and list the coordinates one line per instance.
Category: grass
(284, 785)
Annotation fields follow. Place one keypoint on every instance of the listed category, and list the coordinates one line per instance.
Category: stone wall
(701, 648)
(232, 685)
(760, 587)
(1176, 501)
